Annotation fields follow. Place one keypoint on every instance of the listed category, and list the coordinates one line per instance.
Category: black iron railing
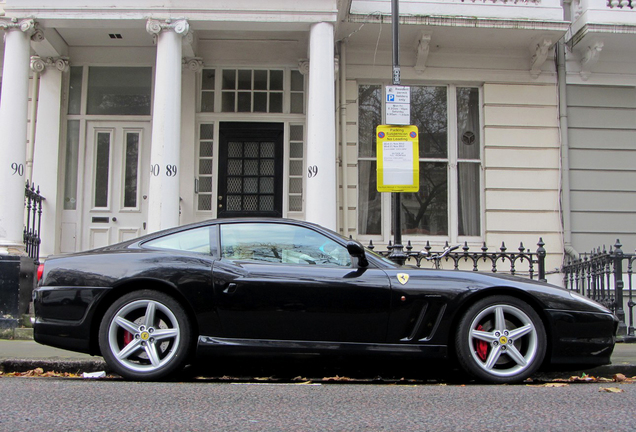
(520, 262)
(601, 275)
(33, 204)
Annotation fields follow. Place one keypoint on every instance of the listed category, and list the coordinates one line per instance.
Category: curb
(606, 371)
(62, 366)
(80, 366)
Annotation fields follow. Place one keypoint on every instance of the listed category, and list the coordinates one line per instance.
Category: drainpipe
(565, 153)
(343, 136)
(33, 116)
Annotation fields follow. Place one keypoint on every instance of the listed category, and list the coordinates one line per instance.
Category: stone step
(25, 320)
(23, 333)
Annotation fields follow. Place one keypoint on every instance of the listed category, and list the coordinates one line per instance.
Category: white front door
(116, 172)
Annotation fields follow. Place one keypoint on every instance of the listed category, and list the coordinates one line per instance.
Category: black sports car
(149, 305)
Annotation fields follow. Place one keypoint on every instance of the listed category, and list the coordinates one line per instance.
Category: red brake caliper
(128, 337)
(481, 346)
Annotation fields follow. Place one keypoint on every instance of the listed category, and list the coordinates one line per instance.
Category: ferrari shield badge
(403, 278)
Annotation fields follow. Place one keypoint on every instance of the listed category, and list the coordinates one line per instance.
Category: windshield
(368, 251)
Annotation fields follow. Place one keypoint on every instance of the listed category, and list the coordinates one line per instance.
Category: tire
(145, 335)
(500, 339)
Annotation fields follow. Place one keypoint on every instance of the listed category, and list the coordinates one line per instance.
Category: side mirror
(356, 250)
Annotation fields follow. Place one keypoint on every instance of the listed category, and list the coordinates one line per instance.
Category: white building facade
(136, 119)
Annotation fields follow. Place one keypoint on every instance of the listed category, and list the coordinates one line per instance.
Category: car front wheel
(145, 335)
(500, 339)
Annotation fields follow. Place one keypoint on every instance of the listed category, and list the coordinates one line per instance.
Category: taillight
(40, 272)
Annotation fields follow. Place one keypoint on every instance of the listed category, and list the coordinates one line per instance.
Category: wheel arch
(505, 291)
(131, 286)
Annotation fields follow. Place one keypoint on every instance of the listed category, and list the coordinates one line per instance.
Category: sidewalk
(24, 355)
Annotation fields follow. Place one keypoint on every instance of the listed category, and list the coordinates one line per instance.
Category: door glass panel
(132, 162)
(252, 178)
(285, 244)
(70, 174)
(102, 168)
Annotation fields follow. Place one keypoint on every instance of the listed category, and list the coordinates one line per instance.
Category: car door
(281, 281)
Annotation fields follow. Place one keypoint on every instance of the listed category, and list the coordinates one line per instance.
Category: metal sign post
(397, 253)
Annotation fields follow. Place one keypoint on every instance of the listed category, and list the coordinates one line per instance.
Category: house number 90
(17, 169)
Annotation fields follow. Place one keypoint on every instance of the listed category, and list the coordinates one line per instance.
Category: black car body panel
(246, 305)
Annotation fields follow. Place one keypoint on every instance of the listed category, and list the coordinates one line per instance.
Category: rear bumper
(585, 338)
(63, 316)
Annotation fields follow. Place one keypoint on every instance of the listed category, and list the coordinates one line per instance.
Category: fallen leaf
(336, 378)
(552, 384)
(611, 390)
(299, 378)
(605, 380)
(619, 377)
(583, 378)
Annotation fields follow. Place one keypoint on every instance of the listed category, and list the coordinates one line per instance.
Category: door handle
(230, 289)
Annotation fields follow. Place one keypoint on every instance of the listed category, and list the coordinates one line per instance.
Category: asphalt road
(92, 405)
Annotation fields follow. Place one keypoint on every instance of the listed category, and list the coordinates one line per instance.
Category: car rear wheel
(500, 339)
(145, 335)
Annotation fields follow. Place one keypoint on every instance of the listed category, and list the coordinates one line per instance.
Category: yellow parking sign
(398, 158)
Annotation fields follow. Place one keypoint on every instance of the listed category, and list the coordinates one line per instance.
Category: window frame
(452, 161)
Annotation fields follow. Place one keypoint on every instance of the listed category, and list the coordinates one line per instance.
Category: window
(252, 91)
(196, 240)
(448, 202)
(118, 91)
(296, 153)
(278, 243)
(206, 158)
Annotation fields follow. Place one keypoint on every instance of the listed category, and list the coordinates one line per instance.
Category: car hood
(475, 283)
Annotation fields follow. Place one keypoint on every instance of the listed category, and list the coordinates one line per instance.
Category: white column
(48, 149)
(163, 196)
(321, 200)
(13, 133)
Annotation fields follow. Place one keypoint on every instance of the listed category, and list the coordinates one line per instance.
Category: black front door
(250, 170)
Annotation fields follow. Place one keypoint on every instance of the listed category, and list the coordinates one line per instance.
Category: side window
(195, 240)
(277, 243)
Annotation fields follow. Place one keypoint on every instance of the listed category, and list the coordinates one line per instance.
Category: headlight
(589, 302)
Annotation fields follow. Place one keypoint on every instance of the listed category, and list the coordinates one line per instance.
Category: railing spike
(503, 247)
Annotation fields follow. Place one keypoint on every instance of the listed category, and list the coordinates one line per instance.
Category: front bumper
(585, 338)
